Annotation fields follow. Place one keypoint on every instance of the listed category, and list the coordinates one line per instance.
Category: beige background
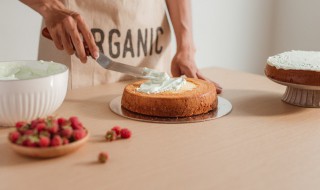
(232, 34)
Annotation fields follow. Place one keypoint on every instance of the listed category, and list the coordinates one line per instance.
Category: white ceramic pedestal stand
(301, 95)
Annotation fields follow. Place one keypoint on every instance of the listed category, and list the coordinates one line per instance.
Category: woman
(134, 32)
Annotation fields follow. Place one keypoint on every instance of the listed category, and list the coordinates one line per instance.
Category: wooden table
(262, 144)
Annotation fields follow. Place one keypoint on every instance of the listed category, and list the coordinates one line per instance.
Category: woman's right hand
(67, 28)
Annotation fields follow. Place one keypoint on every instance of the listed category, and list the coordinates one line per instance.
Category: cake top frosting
(160, 82)
(28, 69)
(296, 60)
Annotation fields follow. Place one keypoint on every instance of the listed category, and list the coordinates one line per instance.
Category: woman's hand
(67, 28)
(183, 63)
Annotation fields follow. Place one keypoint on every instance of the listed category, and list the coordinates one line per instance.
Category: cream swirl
(160, 82)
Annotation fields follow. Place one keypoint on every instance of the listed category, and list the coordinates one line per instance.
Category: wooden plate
(49, 152)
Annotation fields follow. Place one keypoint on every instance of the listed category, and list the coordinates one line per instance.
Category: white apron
(134, 32)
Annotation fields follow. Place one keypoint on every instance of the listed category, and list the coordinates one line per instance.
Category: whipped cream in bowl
(21, 70)
(160, 82)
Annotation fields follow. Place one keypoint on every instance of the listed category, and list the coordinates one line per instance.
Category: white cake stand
(301, 95)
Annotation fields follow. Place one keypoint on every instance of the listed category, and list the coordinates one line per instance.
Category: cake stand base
(301, 95)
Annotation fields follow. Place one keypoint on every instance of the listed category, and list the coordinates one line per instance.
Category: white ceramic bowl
(38, 92)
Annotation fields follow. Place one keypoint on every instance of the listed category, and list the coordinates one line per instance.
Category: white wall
(297, 25)
(233, 34)
(20, 29)
(228, 33)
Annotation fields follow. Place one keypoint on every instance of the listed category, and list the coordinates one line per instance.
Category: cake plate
(224, 107)
(301, 95)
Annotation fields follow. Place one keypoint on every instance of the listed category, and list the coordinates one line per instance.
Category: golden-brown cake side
(199, 100)
(304, 77)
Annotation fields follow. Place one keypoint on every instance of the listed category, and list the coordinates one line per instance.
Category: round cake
(195, 97)
(298, 67)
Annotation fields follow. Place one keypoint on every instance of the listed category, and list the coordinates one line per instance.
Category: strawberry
(62, 121)
(66, 131)
(35, 122)
(52, 125)
(20, 124)
(56, 141)
(103, 157)
(125, 133)
(116, 129)
(65, 141)
(40, 126)
(44, 141)
(75, 123)
(14, 136)
(111, 135)
(79, 134)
